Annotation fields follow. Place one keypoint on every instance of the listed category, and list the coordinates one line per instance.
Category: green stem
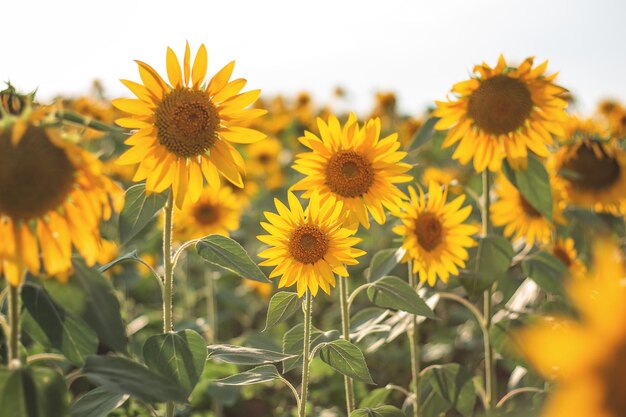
(487, 306)
(306, 349)
(413, 333)
(211, 310)
(168, 281)
(14, 324)
(345, 329)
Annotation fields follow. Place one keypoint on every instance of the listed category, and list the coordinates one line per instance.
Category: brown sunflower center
(528, 208)
(562, 255)
(429, 231)
(308, 244)
(500, 105)
(591, 171)
(264, 158)
(35, 176)
(187, 122)
(613, 375)
(206, 214)
(349, 174)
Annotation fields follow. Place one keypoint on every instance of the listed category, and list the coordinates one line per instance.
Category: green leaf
(533, 183)
(228, 254)
(346, 358)
(449, 382)
(488, 262)
(424, 134)
(129, 256)
(124, 376)
(293, 341)
(245, 355)
(382, 411)
(139, 209)
(64, 332)
(393, 292)
(32, 392)
(547, 271)
(375, 398)
(256, 375)
(97, 403)
(179, 357)
(282, 306)
(383, 262)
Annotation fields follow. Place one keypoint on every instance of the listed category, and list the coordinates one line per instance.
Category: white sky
(417, 48)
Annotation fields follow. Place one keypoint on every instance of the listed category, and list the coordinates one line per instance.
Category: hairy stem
(306, 350)
(14, 325)
(345, 329)
(487, 304)
(413, 333)
(168, 281)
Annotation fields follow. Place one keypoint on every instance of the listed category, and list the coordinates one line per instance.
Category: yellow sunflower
(585, 358)
(352, 165)
(435, 235)
(519, 218)
(308, 246)
(565, 251)
(216, 212)
(264, 162)
(53, 197)
(502, 112)
(186, 127)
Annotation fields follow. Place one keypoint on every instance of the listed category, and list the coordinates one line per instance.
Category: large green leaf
(246, 356)
(375, 398)
(131, 256)
(452, 383)
(32, 392)
(63, 331)
(293, 341)
(395, 293)
(97, 403)
(125, 376)
(382, 411)
(346, 358)
(547, 271)
(534, 184)
(230, 255)
(256, 375)
(282, 306)
(179, 357)
(139, 209)
(488, 262)
(383, 263)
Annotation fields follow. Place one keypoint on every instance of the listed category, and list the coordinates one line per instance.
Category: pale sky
(414, 47)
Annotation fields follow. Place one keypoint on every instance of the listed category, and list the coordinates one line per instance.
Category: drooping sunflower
(216, 212)
(53, 197)
(502, 112)
(589, 168)
(435, 235)
(308, 246)
(565, 251)
(586, 358)
(354, 166)
(520, 219)
(186, 127)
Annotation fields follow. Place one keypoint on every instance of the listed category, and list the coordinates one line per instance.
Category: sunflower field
(199, 249)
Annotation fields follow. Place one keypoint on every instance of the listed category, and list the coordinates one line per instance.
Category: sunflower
(565, 251)
(308, 246)
(502, 112)
(520, 219)
(590, 169)
(186, 127)
(264, 162)
(53, 197)
(435, 235)
(587, 357)
(216, 212)
(352, 165)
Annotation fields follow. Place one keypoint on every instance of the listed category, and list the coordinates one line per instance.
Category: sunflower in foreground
(216, 212)
(186, 127)
(435, 235)
(564, 250)
(354, 166)
(502, 112)
(53, 197)
(587, 357)
(308, 246)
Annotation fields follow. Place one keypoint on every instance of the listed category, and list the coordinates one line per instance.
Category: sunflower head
(502, 112)
(186, 127)
(307, 247)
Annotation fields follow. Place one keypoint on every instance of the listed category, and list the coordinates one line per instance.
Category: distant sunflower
(263, 162)
(519, 218)
(308, 247)
(502, 113)
(435, 235)
(216, 212)
(585, 358)
(354, 166)
(186, 127)
(53, 197)
(565, 251)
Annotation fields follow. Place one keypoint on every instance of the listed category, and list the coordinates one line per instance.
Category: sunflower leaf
(32, 392)
(424, 134)
(346, 358)
(382, 411)
(98, 402)
(393, 292)
(533, 183)
(245, 355)
(383, 263)
(228, 254)
(139, 209)
(546, 270)
(258, 375)
(282, 306)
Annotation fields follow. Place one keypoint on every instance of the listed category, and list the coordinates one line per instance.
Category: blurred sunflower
(308, 247)
(587, 357)
(352, 165)
(435, 235)
(520, 219)
(53, 196)
(217, 211)
(446, 176)
(502, 112)
(186, 127)
(263, 162)
(565, 251)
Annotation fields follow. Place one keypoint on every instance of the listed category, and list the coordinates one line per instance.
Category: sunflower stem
(14, 325)
(168, 281)
(306, 349)
(345, 329)
(413, 333)
(487, 306)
